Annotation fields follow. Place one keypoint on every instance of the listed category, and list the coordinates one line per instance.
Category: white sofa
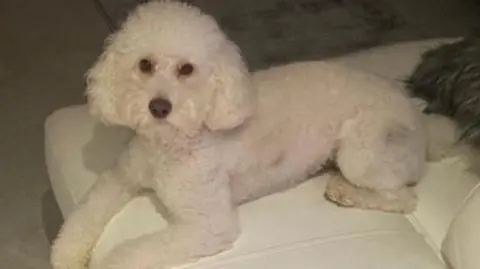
(296, 229)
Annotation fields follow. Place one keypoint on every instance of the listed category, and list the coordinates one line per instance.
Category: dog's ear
(99, 86)
(233, 100)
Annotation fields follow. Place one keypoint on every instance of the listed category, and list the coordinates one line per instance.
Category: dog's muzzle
(160, 108)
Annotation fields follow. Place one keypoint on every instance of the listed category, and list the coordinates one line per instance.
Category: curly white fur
(232, 137)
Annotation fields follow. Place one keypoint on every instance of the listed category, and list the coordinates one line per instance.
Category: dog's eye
(146, 66)
(185, 69)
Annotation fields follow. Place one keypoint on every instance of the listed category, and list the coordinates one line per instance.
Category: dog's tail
(443, 141)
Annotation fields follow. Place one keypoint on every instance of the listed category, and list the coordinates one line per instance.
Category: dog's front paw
(336, 192)
(66, 259)
(70, 254)
(345, 194)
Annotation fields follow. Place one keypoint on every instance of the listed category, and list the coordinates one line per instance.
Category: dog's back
(323, 91)
(302, 113)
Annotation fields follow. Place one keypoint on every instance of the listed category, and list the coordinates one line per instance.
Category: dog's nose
(160, 108)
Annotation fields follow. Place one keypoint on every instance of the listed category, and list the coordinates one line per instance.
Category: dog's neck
(173, 140)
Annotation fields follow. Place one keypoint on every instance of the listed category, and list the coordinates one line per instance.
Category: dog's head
(170, 65)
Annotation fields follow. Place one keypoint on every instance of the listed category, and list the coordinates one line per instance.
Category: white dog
(211, 136)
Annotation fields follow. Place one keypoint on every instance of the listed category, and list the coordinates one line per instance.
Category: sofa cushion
(296, 229)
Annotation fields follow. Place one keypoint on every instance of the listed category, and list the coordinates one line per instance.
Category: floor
(45, 48)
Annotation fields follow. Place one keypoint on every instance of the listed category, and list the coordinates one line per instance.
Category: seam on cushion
(462, 204)
(418, 226)
(454, 259)
(295, 246)
(453, 232)
(456, 250)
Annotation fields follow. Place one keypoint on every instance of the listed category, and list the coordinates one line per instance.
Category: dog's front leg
(202, 222)
(81, 230)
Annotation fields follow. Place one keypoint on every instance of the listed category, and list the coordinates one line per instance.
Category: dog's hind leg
(343, 193)
(378, 165)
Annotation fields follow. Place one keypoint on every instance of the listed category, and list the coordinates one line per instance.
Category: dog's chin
(188, 131)
(164, 129)
(186, 126)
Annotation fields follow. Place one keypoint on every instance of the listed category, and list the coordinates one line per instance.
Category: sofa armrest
(77, 150)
